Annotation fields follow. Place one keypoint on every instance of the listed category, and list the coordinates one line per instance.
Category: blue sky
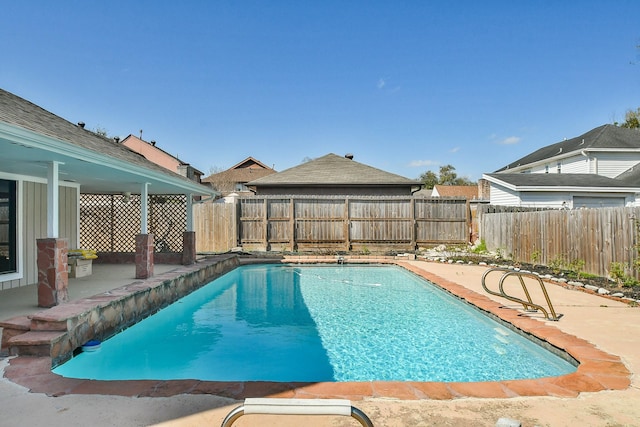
(406, 86)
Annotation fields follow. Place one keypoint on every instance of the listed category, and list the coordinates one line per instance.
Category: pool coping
(597, 370)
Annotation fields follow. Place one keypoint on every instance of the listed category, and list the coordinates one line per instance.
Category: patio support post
(189, 250)
(51, 259)
(189, 236)
(53, 200)
(53, 276)
(144, 207)
(144, 240)
(144, 256)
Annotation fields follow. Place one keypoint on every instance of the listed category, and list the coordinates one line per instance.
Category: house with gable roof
(46, 163)
(331, 175)
(235, 179)
(599, 168)
(157, 155)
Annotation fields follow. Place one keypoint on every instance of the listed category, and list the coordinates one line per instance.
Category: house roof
(243, 172)
(333, 170)
(630, 176)
(31, 137)
(250, 162)
(153, 146)
(466, 191)
(603, 137)
(560, 181)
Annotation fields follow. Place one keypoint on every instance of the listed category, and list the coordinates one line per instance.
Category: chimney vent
(116, 139)
(349, 156)
(153, 143)
(81, 125)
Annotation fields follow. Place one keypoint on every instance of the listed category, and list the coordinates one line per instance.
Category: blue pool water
(318, 323)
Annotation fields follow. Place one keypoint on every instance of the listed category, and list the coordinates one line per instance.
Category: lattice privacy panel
(110, 222)
(167, 221)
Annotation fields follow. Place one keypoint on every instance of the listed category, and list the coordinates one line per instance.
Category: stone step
(48, 325)
(32, 343)
(10, 328)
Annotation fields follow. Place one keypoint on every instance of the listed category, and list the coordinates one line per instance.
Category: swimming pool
(318, 323)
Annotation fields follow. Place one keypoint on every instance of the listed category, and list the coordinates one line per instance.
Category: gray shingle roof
(605, 136)
(19, 112)
(554, 180)
(332, 169)
(631, 176)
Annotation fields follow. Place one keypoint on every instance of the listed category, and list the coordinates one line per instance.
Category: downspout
(595, 162)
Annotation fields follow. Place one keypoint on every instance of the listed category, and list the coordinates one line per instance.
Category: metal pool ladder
(297, 407)
(528, 305)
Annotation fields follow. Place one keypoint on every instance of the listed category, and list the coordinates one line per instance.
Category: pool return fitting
(527, 305)
(297, 407)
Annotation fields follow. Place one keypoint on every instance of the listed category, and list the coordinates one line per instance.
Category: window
(8, 258)
(559, 167)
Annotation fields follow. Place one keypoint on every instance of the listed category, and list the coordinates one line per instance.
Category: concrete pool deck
(602, 333)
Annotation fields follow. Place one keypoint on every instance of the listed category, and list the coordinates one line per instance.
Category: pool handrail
(528, 305)
(276, 406)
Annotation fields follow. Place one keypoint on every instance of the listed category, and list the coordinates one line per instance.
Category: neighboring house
(334, 175)
(160, 157)
(469, 192)
(46, 163)
(596, 169)
(235, 179)
(472, 193)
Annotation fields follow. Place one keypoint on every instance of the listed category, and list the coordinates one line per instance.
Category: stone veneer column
(144, 256)
(53, 276)
(189, 248)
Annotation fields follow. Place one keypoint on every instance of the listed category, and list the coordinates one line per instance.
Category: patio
(24, 300)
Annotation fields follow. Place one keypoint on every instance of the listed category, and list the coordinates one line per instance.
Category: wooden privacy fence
(566, 238)
(216, 227)
(331, 223)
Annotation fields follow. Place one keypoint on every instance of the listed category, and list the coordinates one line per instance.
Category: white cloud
(383, 84)
(421, 163)
(510, 140)
(454, 150)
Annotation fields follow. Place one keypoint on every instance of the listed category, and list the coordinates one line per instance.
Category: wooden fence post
(265, 224)
(292, 224)
(347, 225)
(414, 225)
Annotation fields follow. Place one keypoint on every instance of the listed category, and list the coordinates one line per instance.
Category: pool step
(35, 343)
(10, 328)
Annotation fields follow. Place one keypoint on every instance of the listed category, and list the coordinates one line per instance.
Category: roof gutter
(32, 139)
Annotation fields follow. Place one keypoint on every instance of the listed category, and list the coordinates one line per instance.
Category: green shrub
(629, 281)
(616, 271)
(535, 257)
(557, 264)
(577, 265)
(481, 248)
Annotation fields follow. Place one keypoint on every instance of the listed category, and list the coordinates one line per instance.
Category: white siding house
(600, 168)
